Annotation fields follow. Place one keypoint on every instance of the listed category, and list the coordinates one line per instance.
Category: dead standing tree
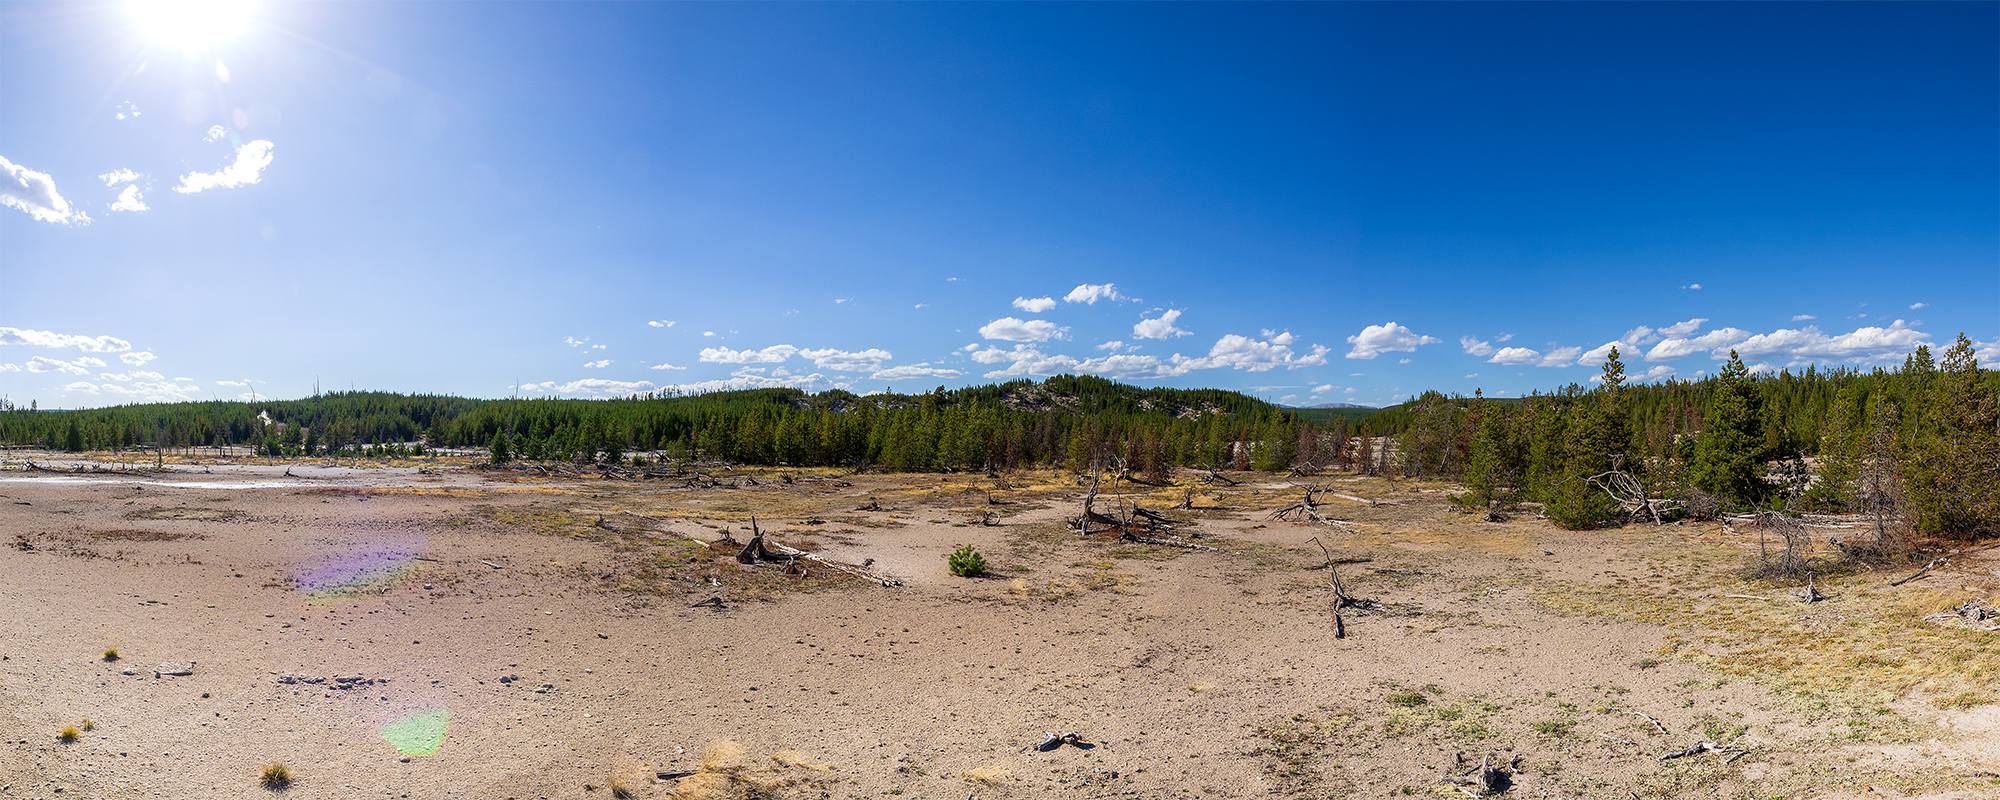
(1341, 599)
(1308, 508)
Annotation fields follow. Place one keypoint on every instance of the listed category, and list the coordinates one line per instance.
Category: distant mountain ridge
(1336, 405)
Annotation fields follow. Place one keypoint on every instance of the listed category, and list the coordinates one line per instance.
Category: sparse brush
(87, 725)
(966, 562)
(1408, 699)
(68, 734)
(111, 654)
(276, 777)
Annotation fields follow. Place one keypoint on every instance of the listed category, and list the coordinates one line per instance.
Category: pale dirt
(1173, 667)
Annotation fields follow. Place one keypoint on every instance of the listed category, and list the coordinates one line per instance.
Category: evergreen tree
(1952, 473)
(502, 448)
(1728, 460)
(1839, 455)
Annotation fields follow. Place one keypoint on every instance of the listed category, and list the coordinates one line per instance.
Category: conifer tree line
(1922, 438)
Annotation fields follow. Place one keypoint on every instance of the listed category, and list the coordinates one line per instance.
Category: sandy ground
(394, 633)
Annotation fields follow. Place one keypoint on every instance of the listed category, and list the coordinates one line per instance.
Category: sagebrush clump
(275, 777)
(966, 562)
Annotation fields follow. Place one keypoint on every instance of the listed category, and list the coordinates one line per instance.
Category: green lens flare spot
(419, 734)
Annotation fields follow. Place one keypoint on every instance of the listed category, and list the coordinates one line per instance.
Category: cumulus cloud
(1242, 352)
(810, 383)
(1090, 293)
(129, 200)
(600, 364)
(1026, 360)
(1525, 356)
(1987, 353)
(251, 159)
(118, 176)
(1375, 340)
(88, 344)
(1475, 346)
(1035, 305)
(35, 193)
(1322, 389)
(575, 342)
(844, 361)
(664, 365)
(1114, 346)
(1674, 348)
(920, 370)
(1017, 330)
(10, 368)
(769, 355)
(660, 323)
(1863, 344)
(1161, 327)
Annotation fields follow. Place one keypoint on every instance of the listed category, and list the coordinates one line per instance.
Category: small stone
(129, 671)
(174, 668)
(404, 759)
(427, 587)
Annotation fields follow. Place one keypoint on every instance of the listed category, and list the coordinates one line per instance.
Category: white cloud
(251, 159)
(1475, 347)
(1519, 356)
(1658, 373)
(1035, 305)
(921, 306)
(1694, 286)
(232, 383)
(708, 333)
(77, 367)
(35, 193)
(1761, 369)
(575, 342)
(1683, 328)
(601, 364)
(1161, 327)
(1915, 306)
(118, 176)
(660, 323)
(1505, 337)
(10, 368)
(1090, 293)
(129, 200)
(1114, 346)
(88, 344)
(1864, 344)
(1375, 340)
(1243, 352)
(1802, 317)
(922, 370)
(844, 361)
(80, 386)
(839, 300)
(215, 133)
(664, 366)
(769, 355)
(1016, 330)
(1676, 348)
(1987, 353)
(126, 110)
(810, 383)
(599, 387)
(1322, 389)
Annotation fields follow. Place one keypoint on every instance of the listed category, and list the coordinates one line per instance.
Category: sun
(192, 24)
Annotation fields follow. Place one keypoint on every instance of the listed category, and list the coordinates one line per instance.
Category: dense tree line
(1923, 439)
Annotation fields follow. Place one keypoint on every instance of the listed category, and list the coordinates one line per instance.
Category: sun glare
(192, 24)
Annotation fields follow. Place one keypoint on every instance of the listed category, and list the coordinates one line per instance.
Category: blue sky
(1309, 202)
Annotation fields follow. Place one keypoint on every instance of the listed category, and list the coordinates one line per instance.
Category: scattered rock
(174, 668)
(128, 671)
(545, 688)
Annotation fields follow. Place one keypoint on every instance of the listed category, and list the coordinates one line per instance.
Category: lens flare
(420, 733)
(369, 568)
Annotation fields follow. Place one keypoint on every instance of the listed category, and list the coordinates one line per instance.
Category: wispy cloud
(248, 168)
(919, 370)
(118, 176)
(80, 366)
(138, 359)
(1010, 329)
(1803, 317)
(35, 193)
(660, 323)
(1915, 306)
(1475, 346)
(1375, 340)
(600, 364)
(1161, 327)
(88, 344)
(1034, 305)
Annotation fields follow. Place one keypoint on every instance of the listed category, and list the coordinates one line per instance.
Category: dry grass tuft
(68, 734)
(986, 775)
(275, 777)
(794, 758)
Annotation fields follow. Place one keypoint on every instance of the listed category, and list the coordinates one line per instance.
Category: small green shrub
(111, 654)
(87, 725)
(1408, 699)
(276, 777)
(966, 562)
(1554, 728)
(68, 734)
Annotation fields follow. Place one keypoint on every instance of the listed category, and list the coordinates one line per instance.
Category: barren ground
(397, 600)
